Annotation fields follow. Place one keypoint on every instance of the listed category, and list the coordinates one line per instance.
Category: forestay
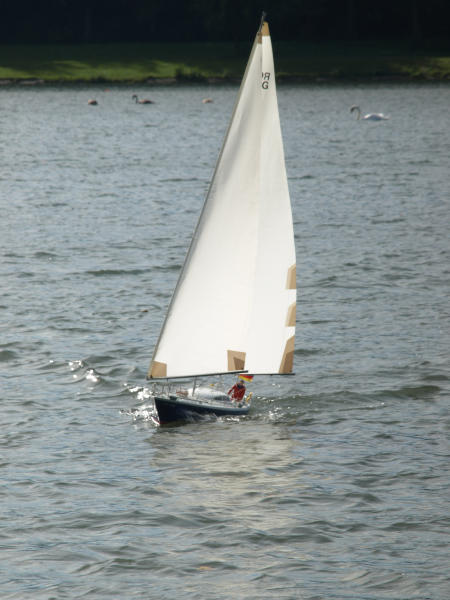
(234, 304)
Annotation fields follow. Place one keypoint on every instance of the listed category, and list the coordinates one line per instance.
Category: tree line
(112, 21)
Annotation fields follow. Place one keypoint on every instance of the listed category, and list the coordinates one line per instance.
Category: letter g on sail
(265, 83)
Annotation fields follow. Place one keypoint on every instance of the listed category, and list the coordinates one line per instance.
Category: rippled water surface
(336, 485)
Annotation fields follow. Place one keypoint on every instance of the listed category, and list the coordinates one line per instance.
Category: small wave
(167, 268)
(51, 365)
(7, 355)
(405, 274)
(86, 374)
(416, 392)
(437, 377)
(146, 412)
(44, 254)
(425, 161)
(306, 352)
(116, 272)
(355, 575)
(142, 393)
(327, 281)
(179, 179)
(92, 376)
(320, 321)
(387, 221)
(74, 365)
(99, 359)
(301, 177)
(98, 369)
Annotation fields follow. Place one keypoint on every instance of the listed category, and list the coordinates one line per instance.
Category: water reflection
(225, 468)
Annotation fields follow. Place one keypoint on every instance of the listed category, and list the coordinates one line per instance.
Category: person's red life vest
(237, 392)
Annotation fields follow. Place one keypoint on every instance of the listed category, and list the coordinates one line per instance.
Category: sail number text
(265, 82)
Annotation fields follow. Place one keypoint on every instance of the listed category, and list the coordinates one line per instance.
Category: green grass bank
(133, 63)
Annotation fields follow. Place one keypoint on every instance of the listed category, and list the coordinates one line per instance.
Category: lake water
(336, 486)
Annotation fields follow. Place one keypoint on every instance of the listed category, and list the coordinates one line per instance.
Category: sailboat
(234, 306)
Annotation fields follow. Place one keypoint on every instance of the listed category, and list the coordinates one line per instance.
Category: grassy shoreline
(215, 63)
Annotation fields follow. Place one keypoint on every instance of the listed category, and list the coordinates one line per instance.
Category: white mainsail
(234, 304)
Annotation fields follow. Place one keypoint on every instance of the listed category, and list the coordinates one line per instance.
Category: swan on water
(136, 99)
(370, 116)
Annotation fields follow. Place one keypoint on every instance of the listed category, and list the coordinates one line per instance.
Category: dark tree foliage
(79, 21)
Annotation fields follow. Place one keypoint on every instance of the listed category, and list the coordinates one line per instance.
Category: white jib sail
(234, 304)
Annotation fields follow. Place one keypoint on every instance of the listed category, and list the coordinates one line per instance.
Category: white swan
(370, 116)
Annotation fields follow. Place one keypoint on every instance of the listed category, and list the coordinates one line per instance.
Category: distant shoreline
(182, 81)
(219, 63)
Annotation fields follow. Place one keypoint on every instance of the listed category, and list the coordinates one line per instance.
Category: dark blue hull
(173, 408)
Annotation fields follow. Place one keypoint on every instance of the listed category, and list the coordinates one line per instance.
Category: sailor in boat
(237, 392)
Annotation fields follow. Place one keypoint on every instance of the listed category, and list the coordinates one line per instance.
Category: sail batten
(234, 304)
